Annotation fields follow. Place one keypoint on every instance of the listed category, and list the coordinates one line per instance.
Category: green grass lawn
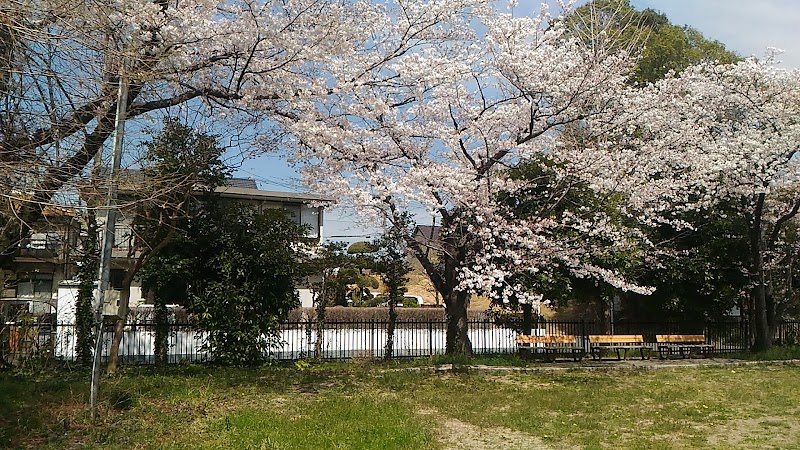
(379, 406)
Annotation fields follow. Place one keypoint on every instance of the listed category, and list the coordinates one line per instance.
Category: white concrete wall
(306, 298)
(137, 296)
(138, 343)
(65, 314)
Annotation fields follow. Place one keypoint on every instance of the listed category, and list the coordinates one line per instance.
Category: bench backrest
(680, 338)
(549, 339)
(616, 339)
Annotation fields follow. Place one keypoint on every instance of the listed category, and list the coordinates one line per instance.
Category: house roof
(245, 183)
(427, 234)
(234, 188)
(257, 194)
(136, 176)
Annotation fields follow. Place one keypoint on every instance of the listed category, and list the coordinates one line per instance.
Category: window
(122, 236)
(115, 278)
(294, 212)
(44, 241)
(36, 285)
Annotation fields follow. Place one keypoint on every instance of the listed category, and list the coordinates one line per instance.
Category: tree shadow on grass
(273, 379)
(50, 408)
(39, 409)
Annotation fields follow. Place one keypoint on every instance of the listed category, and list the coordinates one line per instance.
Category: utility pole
(108, 238)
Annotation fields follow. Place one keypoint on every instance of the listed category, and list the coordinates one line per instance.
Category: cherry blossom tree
(328, 72)
(728, 133)
(445, 97)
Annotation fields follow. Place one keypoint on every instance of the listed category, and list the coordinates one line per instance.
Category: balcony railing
(41, 245)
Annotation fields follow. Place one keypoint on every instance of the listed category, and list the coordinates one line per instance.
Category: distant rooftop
(237, 188)
(257, 194)
(427, 234)
(245, 183)
(133, 176)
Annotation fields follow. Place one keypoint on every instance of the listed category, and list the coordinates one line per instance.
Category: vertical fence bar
(430, 337)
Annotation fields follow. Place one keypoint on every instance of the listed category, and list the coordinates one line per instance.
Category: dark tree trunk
(762, 332)
(770, 305)
(762, 338)
(457, 342)
(119, 328)
(527, 319)
(162, 328)
(389, 349)
(320, 322)
(452, 253)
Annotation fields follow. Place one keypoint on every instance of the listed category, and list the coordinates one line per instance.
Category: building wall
(63, 273)
(33, 285)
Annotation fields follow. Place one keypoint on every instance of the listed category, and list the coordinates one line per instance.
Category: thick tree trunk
(162, 328)
(119, 328)
(763, 334)
(389, 348)
(457, 341)
(451, 255)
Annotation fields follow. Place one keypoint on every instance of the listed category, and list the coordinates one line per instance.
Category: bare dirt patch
(756, 433)
(456, 435)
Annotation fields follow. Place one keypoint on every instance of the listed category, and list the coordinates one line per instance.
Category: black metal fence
(353, 339)
(367, 338)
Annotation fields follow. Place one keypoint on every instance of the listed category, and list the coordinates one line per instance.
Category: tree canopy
(235, 269)
(663, 47)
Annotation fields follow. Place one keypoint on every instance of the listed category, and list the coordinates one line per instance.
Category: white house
(42, 279)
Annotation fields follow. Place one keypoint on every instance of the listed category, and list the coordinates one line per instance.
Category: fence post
(374, 349)
(430, 337)
(584, 336)
(485, 340)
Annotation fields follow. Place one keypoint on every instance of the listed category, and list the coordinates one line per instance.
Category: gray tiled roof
(246, 183)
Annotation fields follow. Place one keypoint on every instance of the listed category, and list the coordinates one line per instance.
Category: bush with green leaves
(235, 269)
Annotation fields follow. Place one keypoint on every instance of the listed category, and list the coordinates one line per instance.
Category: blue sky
(745, 26)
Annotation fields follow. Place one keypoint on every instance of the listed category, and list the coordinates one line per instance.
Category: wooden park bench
(683, 344)
(616, 343)
(551, 346)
